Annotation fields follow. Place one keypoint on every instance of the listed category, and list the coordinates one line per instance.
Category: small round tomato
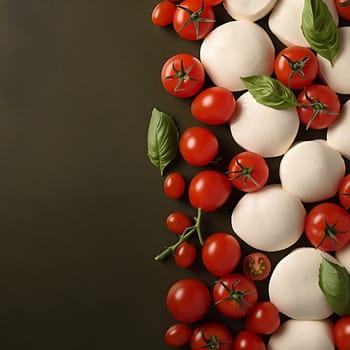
(247, 340)
(214, 106)
(178, 335)
(343, 8)
(248, 171)
(256, 266)
(177, 222)
(188, 300)
(296, 67)
(344, 192)
(213, 2)
(162, 14)
(319, 106)
(221, 253)
(182, 75)
(185, 254)
(198, 146)
(174, 185)
(234, 295)
(209, 190)
(211, 335)
(341, 333)
(327, 226)
(264, 318)
(193, 19)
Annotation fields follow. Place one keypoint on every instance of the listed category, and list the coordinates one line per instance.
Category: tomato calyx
(296, 67)
(181, 74)
(330, 232)
(212, 343)
(345, 3)
(245, 172)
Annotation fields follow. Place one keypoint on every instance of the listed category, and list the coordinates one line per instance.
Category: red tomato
(248, 171)
(178, 335)
(174, 185)
(182, 75)
(343, 8)
(256, 266)
(185, 254)
(193, 19)
(162, 14)
(198, 146)
(209, 190)
(213, 2)
(341, 333)
(188, 300)
(319, 106)
(246, 340)
(211, 335)
(344, 192)
(235, 295)
(221, 253)
(264, 318)
(296, 67)
(177, 222)
(214, 106)
(327, 226)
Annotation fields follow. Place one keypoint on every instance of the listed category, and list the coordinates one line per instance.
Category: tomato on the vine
(327, 226)
(319, 106)
(341, 333)
(174, 185)
(247, 340)
(343, 8)
(178, 335)
(193, 19)
(344, 192)
(163, 12)
(182, 75)
(185, 254)
(256, 266)
(177, 222)
(234, 295)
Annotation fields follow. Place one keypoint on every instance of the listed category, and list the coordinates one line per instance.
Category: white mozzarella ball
(343, 256)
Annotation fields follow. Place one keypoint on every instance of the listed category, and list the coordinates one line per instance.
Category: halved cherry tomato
(344, 192)
(162, 14)
(185, 255)
(343, 8)
(174, 185)
(256, 266)
(178, 335)
(177, 222)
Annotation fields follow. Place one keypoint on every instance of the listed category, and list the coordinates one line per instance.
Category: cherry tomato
(327, 226)
(344, 192)
(178, 335)
(248, 171)
(177, 222)
(193, 19)
(296, 67)
(214, 106)
(264, 318)
(174, 185)
(185, 254)
(319, 106)
(188, 300)
(343, 8)
(256, 266)
(162, 14)
(213, 2)
(341, 333)
(182, 75)
(209, 190)
(198, 146)
(211, 335)
(221, 253)
(234, 295)
(246, 340)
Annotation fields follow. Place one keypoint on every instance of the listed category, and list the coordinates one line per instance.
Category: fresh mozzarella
(338, 134)
(270, 219)
(343, 256)
(285, 21)
(337, 77)
(294, 288)
(303, 335)
(248, 10)
(312, 171)
(236, 49)
(261, 129)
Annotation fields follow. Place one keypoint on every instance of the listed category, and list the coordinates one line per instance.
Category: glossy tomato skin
(182, 75)
(327, 226)
(343, 8)
(234, 295)
(213, 2)
(174, 185)
(185, 27)
(209, 190)
(221, 253)
(344, 192)
(185, 255)
(177, 222)
(214, 106)
(178, 335)
(325, 116)
(256, 266)
(341, 333)
(211, 335)
(247, 340)
(296, 67)
(188, 300)
(162, 14)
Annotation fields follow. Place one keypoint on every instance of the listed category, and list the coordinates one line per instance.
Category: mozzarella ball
(343, 256)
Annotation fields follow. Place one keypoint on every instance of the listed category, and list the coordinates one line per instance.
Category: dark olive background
(82, 210)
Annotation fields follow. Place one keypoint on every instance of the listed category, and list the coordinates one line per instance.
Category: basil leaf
(334, 282)
(162, 139)
(270, 92)
(320, 30)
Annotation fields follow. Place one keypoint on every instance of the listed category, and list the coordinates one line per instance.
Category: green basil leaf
(320, 30)
(162, 139)
(334, 282)
(270, 92)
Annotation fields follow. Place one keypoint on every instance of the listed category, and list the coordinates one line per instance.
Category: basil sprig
(320, 30)
(334, 281)
(162, 139)
(270, 92)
